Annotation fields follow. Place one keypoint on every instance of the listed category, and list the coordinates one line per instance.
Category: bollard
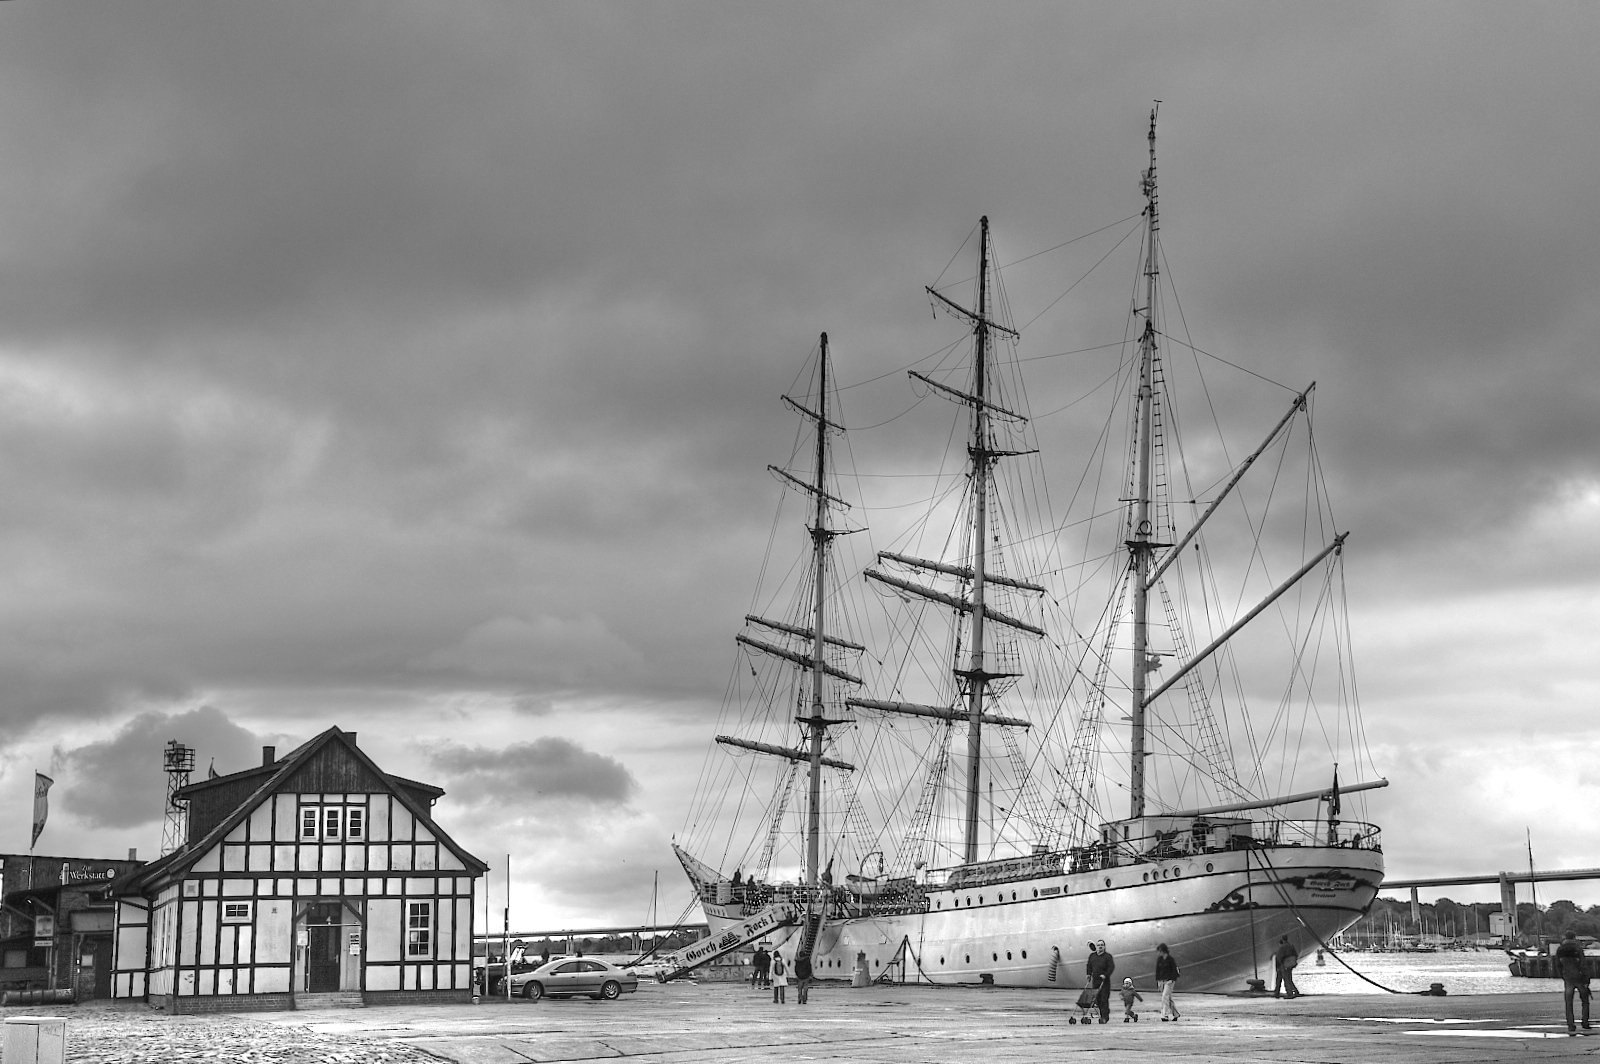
(860, 976)
(35, 1040)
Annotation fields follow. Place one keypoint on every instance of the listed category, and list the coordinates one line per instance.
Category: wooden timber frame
(315, 877)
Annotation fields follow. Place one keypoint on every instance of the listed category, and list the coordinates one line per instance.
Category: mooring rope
(1278, 886)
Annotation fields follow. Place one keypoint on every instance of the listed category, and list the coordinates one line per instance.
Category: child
(1129, 996)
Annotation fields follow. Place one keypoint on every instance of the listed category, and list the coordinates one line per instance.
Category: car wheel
(532, 991)
(611, 990)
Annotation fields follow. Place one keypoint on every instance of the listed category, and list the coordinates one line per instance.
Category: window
(419, 929)
(331, 817)
(355, 822)
(309, 814)
(236, 912)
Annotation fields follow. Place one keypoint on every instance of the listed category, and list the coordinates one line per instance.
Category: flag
(211, 772)
(1333, 796)
(41, 804)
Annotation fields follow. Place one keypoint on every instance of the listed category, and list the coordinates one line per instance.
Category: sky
(414, 368)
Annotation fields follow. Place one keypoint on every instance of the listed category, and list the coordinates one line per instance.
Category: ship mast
(977, 681)
(1140, 545)
(821, 540)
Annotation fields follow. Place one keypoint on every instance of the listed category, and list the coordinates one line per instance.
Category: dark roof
(271, 776)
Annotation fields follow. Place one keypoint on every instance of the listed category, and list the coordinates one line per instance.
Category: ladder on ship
(681, 962)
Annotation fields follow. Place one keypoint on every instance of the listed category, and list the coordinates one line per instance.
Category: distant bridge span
(1507, 882)
(634, 931)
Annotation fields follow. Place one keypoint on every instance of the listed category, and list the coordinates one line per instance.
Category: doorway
(324, 922)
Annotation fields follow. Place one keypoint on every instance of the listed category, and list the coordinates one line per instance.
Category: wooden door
(323, 920)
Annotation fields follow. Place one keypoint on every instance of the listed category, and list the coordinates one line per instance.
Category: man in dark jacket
(1569, 966)
(1284, 960)
(802, 977)
(761, 966)
(1101, 965)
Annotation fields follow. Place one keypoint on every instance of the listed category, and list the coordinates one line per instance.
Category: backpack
(777, 965)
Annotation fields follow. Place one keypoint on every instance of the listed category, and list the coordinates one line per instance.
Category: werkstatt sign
(86, 872)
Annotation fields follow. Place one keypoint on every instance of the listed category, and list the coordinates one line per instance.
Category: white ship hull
(1221, 924)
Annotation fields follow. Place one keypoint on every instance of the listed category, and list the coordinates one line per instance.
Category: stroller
(1086, 1005)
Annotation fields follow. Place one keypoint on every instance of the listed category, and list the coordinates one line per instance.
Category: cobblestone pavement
(137, 1034)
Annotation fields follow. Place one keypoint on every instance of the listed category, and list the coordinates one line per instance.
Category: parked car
(574, 976)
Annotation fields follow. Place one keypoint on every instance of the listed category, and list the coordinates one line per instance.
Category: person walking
(1574, 979)
(802, 975)
(780, 978)
(1100, 967)
(761, 965)
(1284, 960)
(1166, 979)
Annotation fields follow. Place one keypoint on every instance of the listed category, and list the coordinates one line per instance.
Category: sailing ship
(969, 776)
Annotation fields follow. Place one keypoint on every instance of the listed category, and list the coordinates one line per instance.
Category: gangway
(682, 962)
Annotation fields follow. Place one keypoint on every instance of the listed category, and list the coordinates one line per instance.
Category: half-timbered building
(316, 878)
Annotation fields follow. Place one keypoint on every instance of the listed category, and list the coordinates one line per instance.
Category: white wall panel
(274, 932)
(285, 826)
(463, 935)
(385, 929)
(386, 977)
(207, 932)
(378, 815)
(186, 940)
(272, 981)
(261, 823)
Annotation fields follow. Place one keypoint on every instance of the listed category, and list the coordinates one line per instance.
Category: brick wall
(225, 1003)
(418, 997)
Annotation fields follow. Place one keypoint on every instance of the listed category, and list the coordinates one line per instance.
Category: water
(1472, 972)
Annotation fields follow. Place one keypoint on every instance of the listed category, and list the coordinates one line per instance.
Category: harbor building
(312, 879)
(56, 922)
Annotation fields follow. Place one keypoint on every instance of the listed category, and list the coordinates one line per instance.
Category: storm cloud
(524, 776)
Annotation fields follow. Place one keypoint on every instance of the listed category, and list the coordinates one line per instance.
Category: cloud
(525, 776)
(119, 782)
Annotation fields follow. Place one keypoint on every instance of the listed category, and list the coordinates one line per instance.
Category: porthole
(941, 960)
(968, 957)
(980, 899)
(1108, 881)
(1163, 873)
(994, 956)
(1176, 872)
(876, 963)
(1013, 895)
(969, 899)
(1024, 954)
(1208, 866)
(1035, 892)
(1147, 877)
(1008, 954)
(937, 904)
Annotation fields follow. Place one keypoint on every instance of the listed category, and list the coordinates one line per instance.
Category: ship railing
(1211, 837)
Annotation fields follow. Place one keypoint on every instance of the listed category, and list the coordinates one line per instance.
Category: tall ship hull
(1221, 914)
(1007, 767)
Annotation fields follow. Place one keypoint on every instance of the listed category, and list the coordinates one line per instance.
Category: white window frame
(310, 823)
(419, 929)
(332, 823)
(355, 822)
(245, 911)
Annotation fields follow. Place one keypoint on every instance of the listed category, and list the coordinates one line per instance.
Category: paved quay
(718, 1023)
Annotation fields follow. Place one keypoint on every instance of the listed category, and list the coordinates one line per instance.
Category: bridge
(1507, 882)
(636, 932)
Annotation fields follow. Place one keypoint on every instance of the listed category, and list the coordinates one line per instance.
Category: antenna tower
(178, 760)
